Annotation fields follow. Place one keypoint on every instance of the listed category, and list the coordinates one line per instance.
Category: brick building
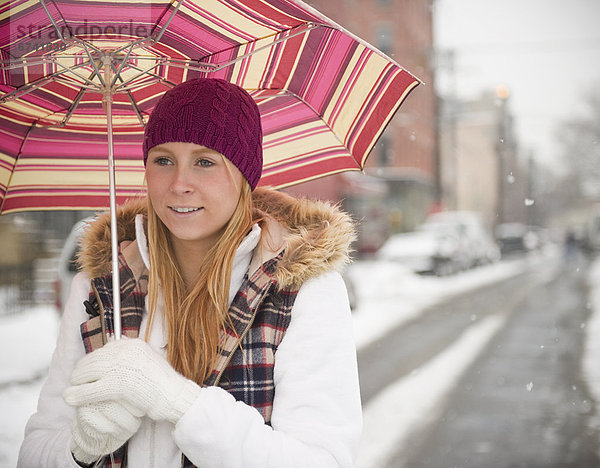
(403, 164)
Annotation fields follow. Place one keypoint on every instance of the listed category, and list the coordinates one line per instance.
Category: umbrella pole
(114, 241)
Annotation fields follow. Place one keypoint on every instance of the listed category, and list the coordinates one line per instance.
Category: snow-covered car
(436, 249)
(479, 243)
(446, 243)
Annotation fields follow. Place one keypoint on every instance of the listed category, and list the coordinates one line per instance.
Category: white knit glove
(101, 428)
(129, 371)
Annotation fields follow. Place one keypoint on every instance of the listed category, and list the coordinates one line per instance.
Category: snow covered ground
(26, 344)
(387, 294)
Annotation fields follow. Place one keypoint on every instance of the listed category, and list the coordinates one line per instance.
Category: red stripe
(296, 174)
(21, 203)
(374, 125)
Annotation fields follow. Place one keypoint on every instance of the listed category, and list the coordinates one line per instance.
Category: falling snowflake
(529, 386)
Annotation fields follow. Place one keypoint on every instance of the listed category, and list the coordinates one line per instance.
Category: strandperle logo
(35, 37)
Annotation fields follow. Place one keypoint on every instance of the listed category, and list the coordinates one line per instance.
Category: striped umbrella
(324, 95)
(78, 79)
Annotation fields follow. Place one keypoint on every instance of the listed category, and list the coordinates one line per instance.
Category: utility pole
(446, 154)
(502, 94)
(530, 192)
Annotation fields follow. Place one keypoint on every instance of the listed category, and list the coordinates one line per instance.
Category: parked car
(446, 243)
(431, 248)
(479, 242)
(516, 237)
(67, 266)
(351, 288)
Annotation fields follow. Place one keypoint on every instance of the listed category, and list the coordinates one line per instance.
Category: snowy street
(406, 397)
(490, 377)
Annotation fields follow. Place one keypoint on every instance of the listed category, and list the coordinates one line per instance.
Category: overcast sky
(546, 51)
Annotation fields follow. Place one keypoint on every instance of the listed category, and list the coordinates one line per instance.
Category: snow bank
(591, 357)
(390, 295)
(28, 341)
(408, 405)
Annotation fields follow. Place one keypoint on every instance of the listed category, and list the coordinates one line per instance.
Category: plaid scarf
(260, 314)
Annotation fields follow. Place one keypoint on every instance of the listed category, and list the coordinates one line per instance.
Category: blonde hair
(196, 317)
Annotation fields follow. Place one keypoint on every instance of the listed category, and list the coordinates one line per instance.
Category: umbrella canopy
(78, 79)
(324, 95)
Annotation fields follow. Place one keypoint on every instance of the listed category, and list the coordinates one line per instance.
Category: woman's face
(193, 191)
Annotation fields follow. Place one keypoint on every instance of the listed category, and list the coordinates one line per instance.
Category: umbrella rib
(187, 65)
(152, 38)
(93, 64)
(307, 28)
(84, 45)
(71, 110)
(146, 82)
(118, 71)
(81, 93)
(158, 36)
(10, 64)
(207, 67)
(69, 82)
(56, 28)
(89, 82)
(76, 102)
(297, 31)
(72, 39)
(124, 84)
(136, 109)
(26, 89)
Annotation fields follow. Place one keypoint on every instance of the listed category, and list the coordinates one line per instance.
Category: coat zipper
(102, 314)
(240, 338)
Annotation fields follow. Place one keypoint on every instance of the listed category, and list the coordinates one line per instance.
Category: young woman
(238, 349)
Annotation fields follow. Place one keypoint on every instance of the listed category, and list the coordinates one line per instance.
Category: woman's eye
(205, 162)
(162, 161)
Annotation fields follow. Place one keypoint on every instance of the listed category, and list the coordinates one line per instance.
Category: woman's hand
(130, 372)
(101, 428)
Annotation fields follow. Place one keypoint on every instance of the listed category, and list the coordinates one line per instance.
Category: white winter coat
(316, 419)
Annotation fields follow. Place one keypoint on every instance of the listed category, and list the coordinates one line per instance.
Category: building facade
(480, 166)
(403, 164)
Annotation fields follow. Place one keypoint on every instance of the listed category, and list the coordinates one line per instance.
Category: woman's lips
(184, 210)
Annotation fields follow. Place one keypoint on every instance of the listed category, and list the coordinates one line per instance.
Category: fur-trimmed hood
(314, 235)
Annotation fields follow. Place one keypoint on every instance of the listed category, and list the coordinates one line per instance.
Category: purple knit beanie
(213, 113)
